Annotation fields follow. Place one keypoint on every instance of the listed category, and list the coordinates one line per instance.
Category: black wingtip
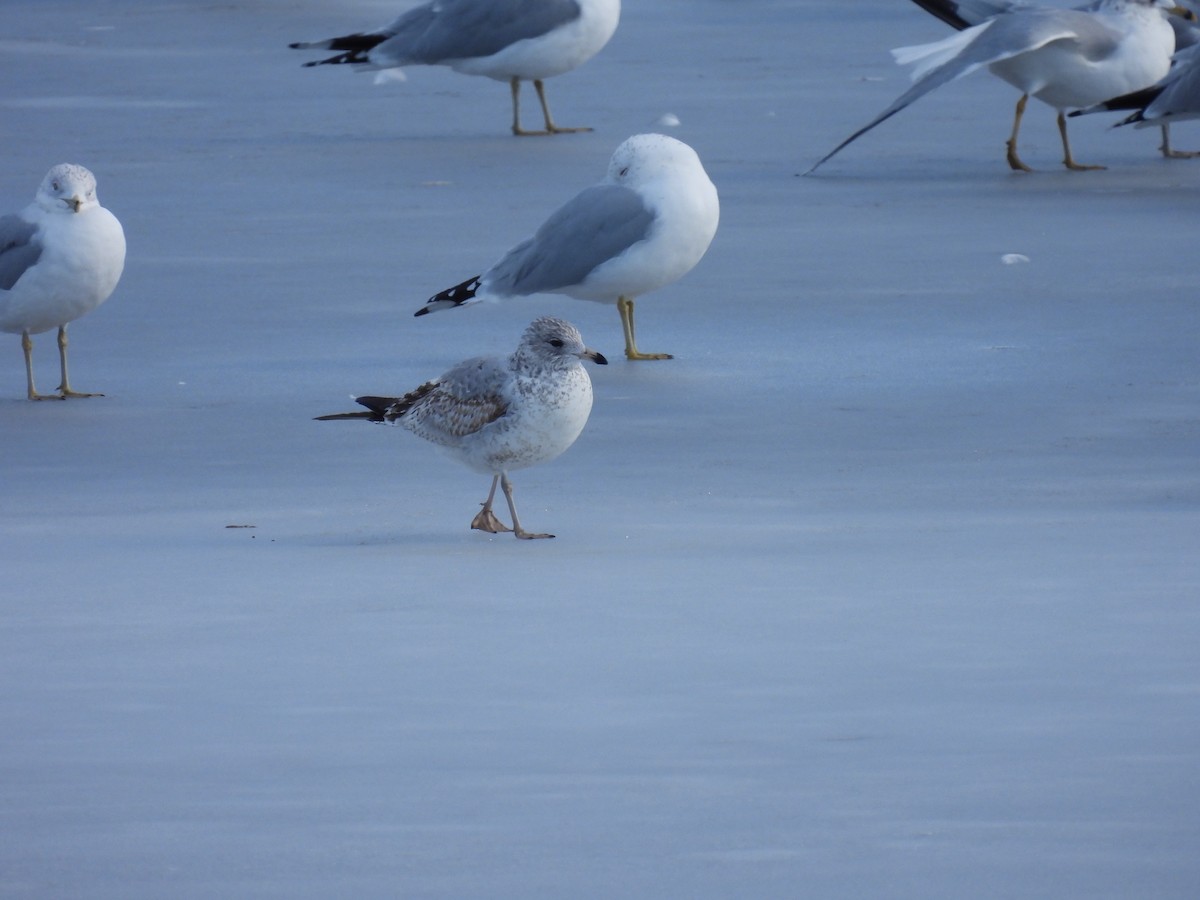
(458, 295)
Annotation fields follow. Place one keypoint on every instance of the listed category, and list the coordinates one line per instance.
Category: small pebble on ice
(1011, 259)
(668, 120)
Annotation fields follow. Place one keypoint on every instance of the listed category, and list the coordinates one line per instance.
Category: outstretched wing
(998, 39)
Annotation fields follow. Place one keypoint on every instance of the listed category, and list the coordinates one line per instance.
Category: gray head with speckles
(552, 341)
(68, 188)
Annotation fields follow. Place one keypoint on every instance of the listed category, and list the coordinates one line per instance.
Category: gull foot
(522, 132)
(486, 521)
(638, 354)
(530, 536)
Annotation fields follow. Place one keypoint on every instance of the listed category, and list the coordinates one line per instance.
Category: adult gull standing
(60, 257)
(496, 414)
(645, 225)
(1183, 77)
(1067, 58)
(508, 40)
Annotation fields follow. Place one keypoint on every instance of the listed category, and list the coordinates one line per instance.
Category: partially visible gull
(1067, 58)
(962, 14)
(60, 257)
(495, 414)
(646, 224)
(1173, 99)
(508, 40)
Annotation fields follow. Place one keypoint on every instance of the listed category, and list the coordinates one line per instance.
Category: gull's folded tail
(377, 408)
(356, 47)
(459, 295)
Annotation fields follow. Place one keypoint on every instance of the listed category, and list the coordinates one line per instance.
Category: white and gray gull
(60, 257)
(495, 414)
(508, 40)
(1067, 58)
(645, 225)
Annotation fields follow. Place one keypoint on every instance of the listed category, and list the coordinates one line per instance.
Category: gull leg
(27, 346)
(515, 84)
(1168, 153)
(1014, 161)
(486, 520)
(1068, 160)
(64, 389)
(512, 508)
(625, 308)
(551, 128)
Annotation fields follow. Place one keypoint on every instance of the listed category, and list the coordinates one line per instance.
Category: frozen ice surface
(885, 587)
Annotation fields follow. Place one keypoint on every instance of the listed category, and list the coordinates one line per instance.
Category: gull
(495, 414)
(508, 40)
(644, 225)
(1175, 98)
(962, 14)
(60, 257)
(1067, 58)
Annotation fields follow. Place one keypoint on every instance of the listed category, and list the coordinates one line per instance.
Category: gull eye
(56, 186)
(555, 343)
(624, 172)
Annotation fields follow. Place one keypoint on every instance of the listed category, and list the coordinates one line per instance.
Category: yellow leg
(64, 389)
(625, 308)
(1014, 161)
(27, 347)
(551, 128)
(486, 520)
(1068, 160)
(512, 508)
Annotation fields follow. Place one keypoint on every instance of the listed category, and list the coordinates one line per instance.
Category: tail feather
(355, 47)
(459, 295)
(377, 410)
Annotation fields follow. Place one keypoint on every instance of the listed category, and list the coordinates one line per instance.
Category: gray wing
(1180, 95)
(995, 40)
(598, 224)
(19, 249)
(468, 29)
(461, 402)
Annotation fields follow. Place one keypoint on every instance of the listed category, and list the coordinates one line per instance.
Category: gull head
(554, 341)
(645, 157)
(68, 188)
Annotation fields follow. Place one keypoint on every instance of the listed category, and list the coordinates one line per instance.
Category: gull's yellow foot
(625, 308)
(635, 353)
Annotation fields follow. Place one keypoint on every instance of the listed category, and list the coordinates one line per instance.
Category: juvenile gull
(60, 257)
(508, 40)
(646, 224)
(500, 413)
(1067, 58)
